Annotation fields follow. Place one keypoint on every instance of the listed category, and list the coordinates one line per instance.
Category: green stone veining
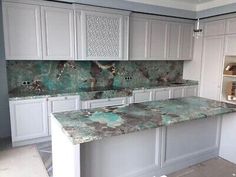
(89, 125)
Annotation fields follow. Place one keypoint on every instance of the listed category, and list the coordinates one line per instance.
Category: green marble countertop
(90, 94)
(89, 125)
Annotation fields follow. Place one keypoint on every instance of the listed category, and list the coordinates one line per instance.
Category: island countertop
(95, 124)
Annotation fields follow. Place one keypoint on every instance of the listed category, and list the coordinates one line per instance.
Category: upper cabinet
(104, 33)
(231, 26)
(214, 28)
(22, 31)
(160, 39)
(58, 33)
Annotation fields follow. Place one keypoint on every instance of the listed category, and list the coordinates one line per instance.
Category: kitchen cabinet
(162, 94)
(58, 33)
(190, 91)
(138, 38)
(143, 95)
(186, 51)
(214, 28)
(212, 62)
(22, 31)
(29, 119)
(177, 92)
(104, 33)
(230, 43)
(62, 104)
(174, 39)
(231, 26)
(90, 104)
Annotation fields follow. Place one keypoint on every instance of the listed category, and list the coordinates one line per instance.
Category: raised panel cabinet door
(22, 31)
(158, 40)
(143, 96)
(162, 94)
(214, 28)
(187, 42)
(138, 38)
(104, 36)
(177, 92)
(212, 63)
(174, 36)
(231, 26)
(58, 34)
(230, 43)
(28, 119)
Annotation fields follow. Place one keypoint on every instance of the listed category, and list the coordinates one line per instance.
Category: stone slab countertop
(90, 94)
(95, 124)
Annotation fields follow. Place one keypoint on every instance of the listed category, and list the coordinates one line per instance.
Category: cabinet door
(191, 91)
(212, 62)
(174, 35)
(231, 26)
(138, 38)
(142, 96)
(22, 31)
(104, 36)
(105, 102)
(61, 104)
(162, 94)
(28, 119)
(230, 43)
(158, 40)
(177, 92)
(58, 34)
(187, 42)
(214, 28)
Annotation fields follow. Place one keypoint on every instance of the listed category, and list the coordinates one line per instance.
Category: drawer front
(64, 105)
(105, 102)
(177, 92)
(162, 94)
(144, 96)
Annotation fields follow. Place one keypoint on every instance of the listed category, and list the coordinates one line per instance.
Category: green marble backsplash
(70, 75)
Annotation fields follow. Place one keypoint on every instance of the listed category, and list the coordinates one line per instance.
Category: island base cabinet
(228, 138)
(148, 153)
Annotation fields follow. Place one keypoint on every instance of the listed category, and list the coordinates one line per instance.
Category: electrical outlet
(25, 83)
(128, 78)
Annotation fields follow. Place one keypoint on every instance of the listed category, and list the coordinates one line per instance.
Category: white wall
(4, 109)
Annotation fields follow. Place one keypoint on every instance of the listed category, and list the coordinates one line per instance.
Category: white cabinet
(90, 104)
(231, 26)
(62, 104)
(230, 43)
(177, 92)
(138, 38)
(104, 33)
(29, 119)
(187, 42)
(158, 40)
(174, 39)
(162, 94)
(140, 96)
(214, 28)
(212, 63)
(22, 31)
(58, 33)
(190, 91)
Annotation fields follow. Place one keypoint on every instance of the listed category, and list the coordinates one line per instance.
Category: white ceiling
(193, 5)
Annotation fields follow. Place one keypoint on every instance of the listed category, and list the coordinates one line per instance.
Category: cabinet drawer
(190, 91)
(142, 96)
(104, 102)
(177, 92)
(62, 104)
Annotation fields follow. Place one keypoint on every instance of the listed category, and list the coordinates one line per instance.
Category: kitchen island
(86, 143)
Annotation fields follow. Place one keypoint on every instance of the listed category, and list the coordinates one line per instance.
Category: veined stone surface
(95, 124)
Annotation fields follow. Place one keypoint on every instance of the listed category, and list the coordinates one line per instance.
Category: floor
(215, 167)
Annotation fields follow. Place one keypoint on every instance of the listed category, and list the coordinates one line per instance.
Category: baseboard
(32, 141)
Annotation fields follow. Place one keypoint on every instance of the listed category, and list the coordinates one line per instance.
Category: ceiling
(192, 5)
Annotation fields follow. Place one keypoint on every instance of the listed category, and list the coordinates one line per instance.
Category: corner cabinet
(22, 31)
(29, 119)
(104, 33)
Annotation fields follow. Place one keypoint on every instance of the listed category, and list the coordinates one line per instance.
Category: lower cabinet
(29, 119)
(144, 95)
(162, 94)
(90, 104)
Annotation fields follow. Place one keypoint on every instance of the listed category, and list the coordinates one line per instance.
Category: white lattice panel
(103, 35)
